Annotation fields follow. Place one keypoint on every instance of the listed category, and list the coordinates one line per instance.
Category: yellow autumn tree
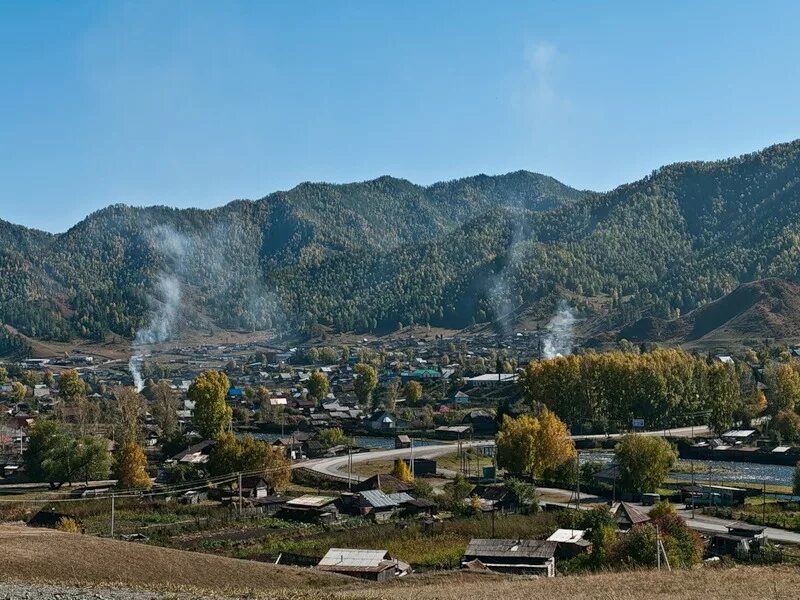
(130, 466)
(402, 472)
(532, 445)
(553, 445)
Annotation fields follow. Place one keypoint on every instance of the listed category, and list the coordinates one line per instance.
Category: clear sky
(197, 103)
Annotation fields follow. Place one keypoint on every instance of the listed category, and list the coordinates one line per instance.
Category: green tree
(413, 391)
(130, 466)
(248, 455)
(366, 379)
(212, 415)
(3, 375)
(643, 461)
(318, 385)
(71, 386)
(783, 383)
(56, 457)
(333, 436)
(787, 423)
(516, 444)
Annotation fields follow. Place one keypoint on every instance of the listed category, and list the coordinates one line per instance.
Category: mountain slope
(372, 255)
(769, 308)
(231, 266)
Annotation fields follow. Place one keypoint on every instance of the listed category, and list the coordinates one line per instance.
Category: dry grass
(46, 555)
(739, 583)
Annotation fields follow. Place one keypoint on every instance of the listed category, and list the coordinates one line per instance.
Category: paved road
(707, 524)
(337, 467)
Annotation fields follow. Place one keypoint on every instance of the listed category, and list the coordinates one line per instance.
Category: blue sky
(198, 103)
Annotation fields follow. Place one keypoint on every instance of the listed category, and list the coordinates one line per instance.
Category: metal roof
(566, 535)
(377, 499)
(353, 558)
(510, 548)
(311, 501)
(400, 498)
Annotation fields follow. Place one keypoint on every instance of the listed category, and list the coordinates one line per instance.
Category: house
(739, 436)
(628, 516)
(453, 432)
(497, 497)
(377, 505)
(492, 379)
(255, 487)
(195, 454)
(571, 543)
(460, 399)
(741, 540)
(376, 565)
(380, 420)
(386, 483)
(532, 557)
(310, 508)
(482, 423)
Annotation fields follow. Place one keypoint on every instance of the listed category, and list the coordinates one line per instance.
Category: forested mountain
(371, 255)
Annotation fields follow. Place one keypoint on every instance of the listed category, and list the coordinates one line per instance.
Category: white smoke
(560, 337)
(166, 309)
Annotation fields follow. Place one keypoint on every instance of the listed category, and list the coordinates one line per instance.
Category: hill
(374, 255)
(35, 561)
(31, 554)
(764, 309)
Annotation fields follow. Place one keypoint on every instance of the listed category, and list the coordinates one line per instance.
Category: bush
(68, 525)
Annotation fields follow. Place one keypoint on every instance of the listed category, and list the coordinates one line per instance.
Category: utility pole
(240, 493)
(349, 467)
(764, 503)
(412, 458)
(112, 515)
(658, 548)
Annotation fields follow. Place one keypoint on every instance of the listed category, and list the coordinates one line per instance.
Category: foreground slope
(39, 563)
(42, 554)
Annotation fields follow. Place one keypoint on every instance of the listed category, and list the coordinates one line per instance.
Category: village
(384, 458)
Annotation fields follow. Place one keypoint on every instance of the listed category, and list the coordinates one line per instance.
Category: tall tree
(318, 385)
(643, 461)
(413, 391)
(165, 409)
(212, 415)
(366, 379)
(71, 386)
(130, 466)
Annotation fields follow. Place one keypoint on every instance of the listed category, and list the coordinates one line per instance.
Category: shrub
(68, 525)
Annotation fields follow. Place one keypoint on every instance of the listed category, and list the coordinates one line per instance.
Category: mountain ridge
(373, 255)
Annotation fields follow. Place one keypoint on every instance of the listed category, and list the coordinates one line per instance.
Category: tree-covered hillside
(236, 266)
(372, 255)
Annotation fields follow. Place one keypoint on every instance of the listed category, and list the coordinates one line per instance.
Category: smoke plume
(559, 337)
(171, 246)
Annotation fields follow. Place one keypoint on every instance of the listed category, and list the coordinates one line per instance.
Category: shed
(628, 516)
(513, 556)
(376, 565)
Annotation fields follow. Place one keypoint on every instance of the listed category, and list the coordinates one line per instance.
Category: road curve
(337, 466)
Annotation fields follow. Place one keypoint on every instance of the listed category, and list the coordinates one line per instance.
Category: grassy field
(438, 547)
